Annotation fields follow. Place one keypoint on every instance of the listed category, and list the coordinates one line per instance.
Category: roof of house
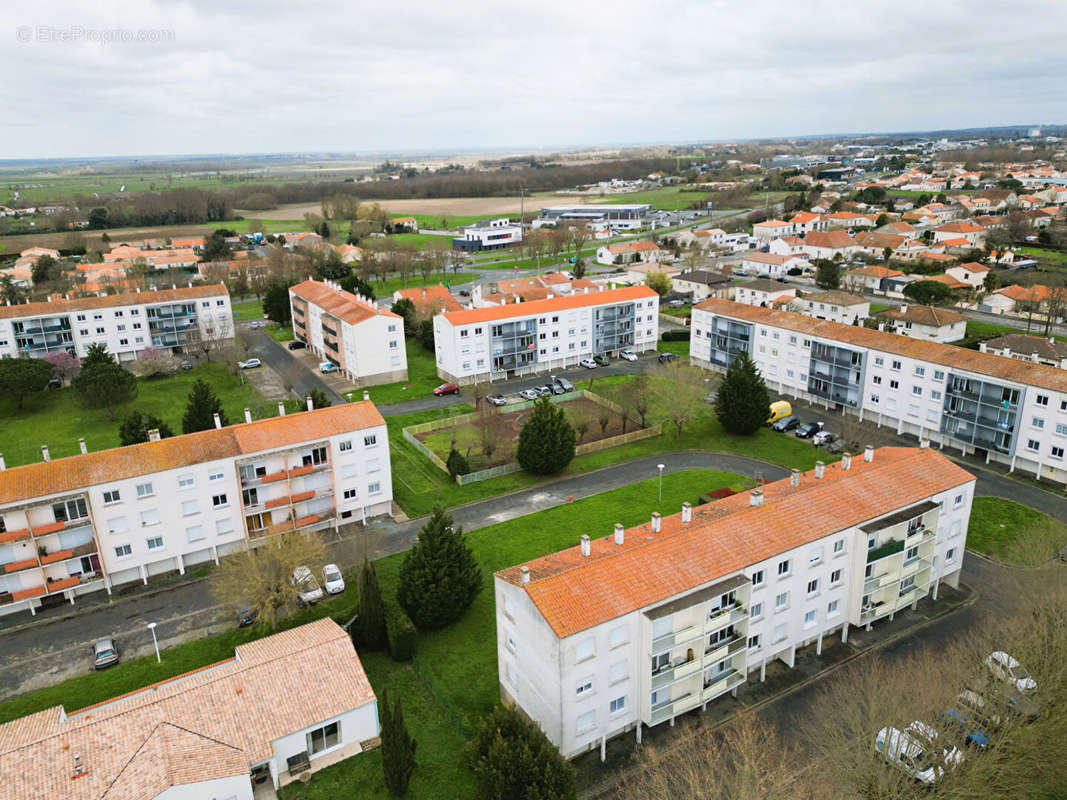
(948, 280)
(210, 723)
(772, 223)
(575, 592)
(832, 239)
(632, 247)
(590, 298)
(836, 298)
(875, 271)
(897, 227)
(925, 315)
(339, 303)
(763, 285)
(705, 276)
(431, 299)
(930, 255)
(960, 226)
(195, 242)
(879, 240)
(1052, 349)
(104, 466)
(972, 266)
(949, 355)
(804, 216)
(1036, 293)
(130, 299)
(648, 267)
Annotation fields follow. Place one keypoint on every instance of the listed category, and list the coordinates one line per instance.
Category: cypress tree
(371, 621)
(743, 404)
(398, 748)
(439, 578)
(512, 759)
(201, 409)
(546, 441)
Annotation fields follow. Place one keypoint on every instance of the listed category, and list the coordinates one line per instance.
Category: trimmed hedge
(675, 336)
(401, 633)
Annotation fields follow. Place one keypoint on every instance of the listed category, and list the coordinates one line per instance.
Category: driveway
(290, 370)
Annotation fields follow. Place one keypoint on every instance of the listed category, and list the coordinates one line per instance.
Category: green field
(422, 241)
(248, 309)
(975, 328)
(422, 378)
(1057, 257)
(433, 221)
(1013, 533)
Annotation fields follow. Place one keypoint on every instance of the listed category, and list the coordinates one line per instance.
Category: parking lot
(335, 380)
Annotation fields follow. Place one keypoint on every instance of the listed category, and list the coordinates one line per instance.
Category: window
(345, 446)
(895, 365)
(920, 371)
(835, 577)
(912, 554)
(809, 619)
(1057, 452)
(1041, 399)
(831, 607)
(815, 556)
(350, 494)
(874, 399)
(894, 384)
(753, 642)
(154, 543)
(756, 611)
(374, 488)
(619, 671)
(586, 721)
(757, 578)
(779, 632)
(144, 490)
(1061, 429)
(150, 517)
(250, 497)
(186, 481)
(190, 507)
(839, 546)
(111, 496)
(1037, 422)
(509, 641)
(618, 636)
(917, 391)
(951, 554)
(584, 650)
(781, 600)
(879, 361)
(123, 551)
(957, 501)
(939, 375)
(70, 510)
(194, 533)
(117, 525)
(1033, 444)
(218, 500)
(935, 395)
(584, 687)
(216, 476)
(877, 379)
(813, 586)
(324, 738)
(618, 704)
(783, 567)
(223, 526)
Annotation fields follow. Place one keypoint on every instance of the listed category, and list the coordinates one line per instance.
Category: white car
(251, 363)
(307, 588)
(629, 355)
(529, 394)
(1006, 668)
(332, 579)
(588, 363)
(327, 366)
(820, 437)
(910, 750)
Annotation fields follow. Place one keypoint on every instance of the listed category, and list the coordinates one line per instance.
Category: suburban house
(124, 323)
(19, 274)
(836, 306)
(359, 337)
(492, 234)
(829, 244)
(1037, 349)
(630, 252)
(409, 224)
(195, 243)
(280, 708)
(635, 627)
(961, 229)
(91, 521)
(756, 263)
(787, 246)
(711, 236)
(972, 273)
(871, 278)
(848, 220)
(637, 273)
(429, 300)
(517, 339)
(927, 322)
(805, 222)
(762, 292)
(873, 243)
(702, 283)
(769, 230)
(302, 239)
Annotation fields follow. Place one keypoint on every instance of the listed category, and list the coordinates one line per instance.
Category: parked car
(55, 382)
(296, 344)
(543, 391)
(556, 388)
(105, 653)
(666, 358)
(965, 726)
(820, 437)
(246, 615)
(332, 579)
(911, 751)
(588, 363)
(563, 383)
(446, 388)
(496, 400)
(602, 359)
(785, 424)
(327, 366)
(256, 323)
(711, 397)
(675, 303)
(251, 363)
(808, 429)
(307, 588)
(835, 445)
(628, 355)
(529, 394)
(1006, 668)
(779, 409)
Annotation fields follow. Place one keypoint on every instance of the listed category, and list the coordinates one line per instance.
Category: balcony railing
(14, 536)
(725, 649)
(919, 536)
(674, 638)
(51, 527)
(674, 707)
(726, 616)
(58, 555)
(726, 683)
(669, 675)
(890, 548)
(33, 591)
(18, 566)
(60, 584)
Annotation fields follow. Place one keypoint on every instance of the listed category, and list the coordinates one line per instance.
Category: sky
(256, 76)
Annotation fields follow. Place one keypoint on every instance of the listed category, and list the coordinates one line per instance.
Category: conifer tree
(201, 409)
(743, 404)
(398, 748)
(370, 624)
(512, 759)
(439, 577)
(546, 441)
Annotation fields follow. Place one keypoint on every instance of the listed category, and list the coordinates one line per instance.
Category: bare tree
(581, 419)
(679, 392)
(639, 394)
(490, 427)
(154, 362)
(1053, 306)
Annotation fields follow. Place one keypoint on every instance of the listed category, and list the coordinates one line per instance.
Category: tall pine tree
(439, 577)
(512, 759)
(743, 404)
(398, 748)
(546, 441)
(370, 624)
(201, 409)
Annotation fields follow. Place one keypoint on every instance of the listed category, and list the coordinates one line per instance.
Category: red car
(446, 388)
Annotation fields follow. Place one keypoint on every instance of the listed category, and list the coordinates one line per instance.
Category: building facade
(617, 217)
(524, 338)
(492, 234)
(87, 522)
(633, 628)
(1008, 411)
(359, 337)
(125, 324)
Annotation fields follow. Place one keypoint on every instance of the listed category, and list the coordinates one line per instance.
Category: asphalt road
(291, 371)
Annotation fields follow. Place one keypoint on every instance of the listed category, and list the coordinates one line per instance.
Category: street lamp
(155, 642)
(660, 468)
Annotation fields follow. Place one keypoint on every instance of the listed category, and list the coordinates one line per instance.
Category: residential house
(963, 229)
(493, 234)
(972, 273)
(787, 246)
(429, 300)
(703, 283)
(805, 222)
(1040, 350)
(870, 278)
(836, 306)
(875, 244)
(630, 253)
(929, 323)
(848, 220)
(756, 263)
(829, 245)
(763, 292)
(409, 224)
(637, 273)
(769, 230)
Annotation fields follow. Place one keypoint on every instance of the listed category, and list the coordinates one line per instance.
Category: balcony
(726, 616)
(878, 582)
(671, 674)
(920, 536)
(279, 527)
(669, 640)
(890, 548)
(296, 472)
(721, 686)
(14, 536)
(312, 519)
(725, 649)
(277, 502)
(17, 566)
(33, 591)
(60, 584)
(674, 707)
(875, 612)
(51, 527)
(273, 476)
(58, 555)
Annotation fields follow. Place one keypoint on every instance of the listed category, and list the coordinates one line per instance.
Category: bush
(457, 464)
(675, 336)
(512, 758)
(401, 633)
(546, 441)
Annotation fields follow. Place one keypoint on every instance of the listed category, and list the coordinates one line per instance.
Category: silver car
(105, 654)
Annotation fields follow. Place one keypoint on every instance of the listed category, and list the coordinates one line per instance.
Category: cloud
(271, 76)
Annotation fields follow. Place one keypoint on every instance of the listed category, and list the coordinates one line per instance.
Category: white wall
(356, 726)
(237, 787)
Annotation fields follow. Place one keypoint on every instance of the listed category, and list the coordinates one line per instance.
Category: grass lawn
(56, 417)
(1055, 256)
(680, 311)
(437, 222)
(1013, 533)
(987, 329)
(878, 308)
(680, 348)
(265, 225)
(248, 309)
(279, 333)
(422, 378)
(422, 241)
(384, 289)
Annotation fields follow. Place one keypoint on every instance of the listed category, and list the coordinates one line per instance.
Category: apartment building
(281, 707)
(1008, 411)
(88, 522)
(634, 627)
(124, 323)
(492, 234)
(359, 337)
(514, 339)
(621, 217)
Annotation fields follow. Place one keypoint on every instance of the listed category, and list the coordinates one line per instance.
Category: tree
(679, 392)
(10, 292)
(276, 303)
(216, 248)
(406, 309)
(134, 427)
(546, 441)
(659, 283)
(1053, 306)
(578, 237)
(356, 285)
(20, 377)
(742, 404)
(398, 748)
(439, 578)
(95, 354)
(65, 364)
(103, 382)
(98, 218)
(490, 429)
(329, 266)
(582, 420)
(827, 274)
(457, 463)
(324, 230)
(45, 269)
(425, 334)
(154, 362)
(370, 621)
(201, 408)
(640, 395)
(261, 577)
(928, 293)
(990, 282)
(319, 398)
(512, 759)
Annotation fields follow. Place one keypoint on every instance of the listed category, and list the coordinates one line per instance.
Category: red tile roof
(962, 226)
(832, 239)
(581, 300)
(132, 299)
(925, 315)
(431, 300)
(338, 303)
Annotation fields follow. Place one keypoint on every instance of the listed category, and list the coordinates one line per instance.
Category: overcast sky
(249, 76)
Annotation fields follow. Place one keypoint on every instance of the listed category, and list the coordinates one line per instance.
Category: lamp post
(660, 468)
(155, 642)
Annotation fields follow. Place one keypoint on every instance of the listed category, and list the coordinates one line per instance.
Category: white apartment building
(124, 323)
(494, 342)
(771, 229)
(492, 234)
(635, 627)
(618, 217)
(1006, 410)
(355, 334)
(836, 306)
(88, 522)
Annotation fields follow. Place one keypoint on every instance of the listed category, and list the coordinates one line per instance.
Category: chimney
(924, 444)
(82, 447)
(3, 464)
(820, 469)
(1034, 357)
(904, 309)
(524, 574)
(44, 452)
(687, 512)
(755, 497)
(881, 326)
(619, 533)
(981, 347)
(585, 544)
(794, 478)
(248, 414)
(868, 454)
(366, 395)
(153, 435)
(281, 409)
(1006, 352)
(311, 405)
(218, 421)
(846, 461)
(655, 522)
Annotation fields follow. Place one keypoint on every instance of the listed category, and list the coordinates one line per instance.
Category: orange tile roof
(879, 240)
(338, 303)
(832, 239)
(948, 280)
(974, 266)
(575, 592)
(962, 226)
(950, 356)
(925, 315)
(771, 223)
(105, 466)
(804, 216)
(632, 247)
(875, 271)
(210, 723)
(431, 299)
(580, 300)
(1036, 293)
(131, 299)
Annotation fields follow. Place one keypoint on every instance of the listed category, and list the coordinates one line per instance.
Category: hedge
(675, 336)
(401, 633)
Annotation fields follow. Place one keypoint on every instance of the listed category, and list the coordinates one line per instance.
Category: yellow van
(779, 410)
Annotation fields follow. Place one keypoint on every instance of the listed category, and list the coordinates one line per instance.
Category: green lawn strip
(384, 289)
(975, 328)
(279, 333)
(679, 348)
(422, 378)
(440, 222)
(423, 241)
(1041, 252)
(878, 308)
(58, 419)
(247, 309)
(995, 525)
(266, 225)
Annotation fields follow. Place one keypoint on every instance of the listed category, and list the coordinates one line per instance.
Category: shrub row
(675, 336)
